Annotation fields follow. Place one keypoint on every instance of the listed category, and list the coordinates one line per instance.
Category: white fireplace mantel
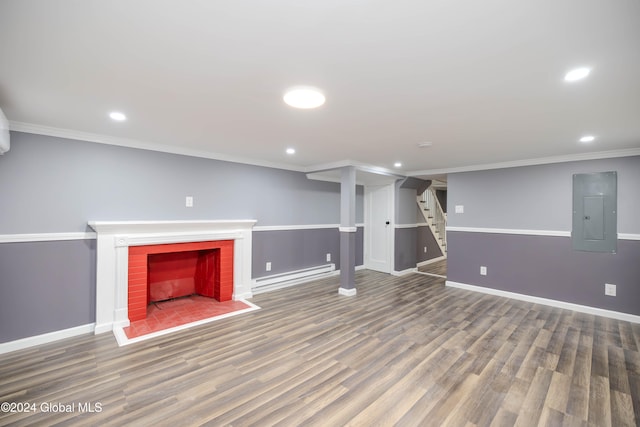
(115, 237)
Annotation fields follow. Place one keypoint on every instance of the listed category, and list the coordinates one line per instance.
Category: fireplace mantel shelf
(168, 226)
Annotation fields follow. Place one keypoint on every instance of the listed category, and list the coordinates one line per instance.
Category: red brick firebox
(220, 286)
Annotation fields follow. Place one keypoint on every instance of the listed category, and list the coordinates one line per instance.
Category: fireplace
(179, 274)
(126, 248)
(167, 271)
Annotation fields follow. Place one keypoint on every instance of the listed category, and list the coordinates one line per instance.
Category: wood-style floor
(438, 268)
(404, 351)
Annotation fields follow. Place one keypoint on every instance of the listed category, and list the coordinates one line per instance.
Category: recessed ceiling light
(577, 74)
(425, 144)
(397, 164)
(304, 97)
(587, 138)
(117, 116)
(291, 151)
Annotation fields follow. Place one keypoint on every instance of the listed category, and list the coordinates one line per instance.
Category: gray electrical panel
(595, 222)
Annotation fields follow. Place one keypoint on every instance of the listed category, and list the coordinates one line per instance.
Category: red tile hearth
(177, 312)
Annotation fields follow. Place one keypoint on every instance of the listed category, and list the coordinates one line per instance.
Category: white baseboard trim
(550, 302)
(404, 272)
(628, 236)
(439, 276)
(243, 296)
(347, 292)
(432, 260)
(103, 328)
(46, 338)
(111, 326)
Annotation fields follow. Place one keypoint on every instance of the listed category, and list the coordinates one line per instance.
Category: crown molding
(595, 155)
(314, 169)
(142, 145)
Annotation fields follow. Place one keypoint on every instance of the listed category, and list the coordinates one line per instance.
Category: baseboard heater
(290, 278)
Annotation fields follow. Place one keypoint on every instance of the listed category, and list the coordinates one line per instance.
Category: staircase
(435, 217)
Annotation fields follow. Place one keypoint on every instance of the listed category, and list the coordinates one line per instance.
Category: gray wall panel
(537, 197)
(57, 185)
(405, 205)
(405, 248)
(547, 267)
(289, 250)
(425, 238)
(45, 287)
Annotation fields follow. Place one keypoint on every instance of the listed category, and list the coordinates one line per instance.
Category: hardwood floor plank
(599, 402)
(621, 409)
(634, 385)
(559, 392)
(534, 400)
(404, 351)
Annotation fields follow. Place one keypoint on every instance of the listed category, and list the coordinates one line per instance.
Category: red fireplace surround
(204, 268)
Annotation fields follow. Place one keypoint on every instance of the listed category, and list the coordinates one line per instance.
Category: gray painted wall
(406, 241)
(405, 205)
(547, 267)
(56, 185)
(291, 250)
(425, 238)
(538, 197)
(46, 286)
(409, 247)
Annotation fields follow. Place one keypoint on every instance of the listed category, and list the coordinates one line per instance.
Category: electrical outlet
(459, 209)
(268, 266)
(328, 257)
(610, 289)
(483, 270)
(188, 202)
(425, 249)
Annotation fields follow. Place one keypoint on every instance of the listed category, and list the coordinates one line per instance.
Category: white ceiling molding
(531, 162)
(142, 145)
(365, 174)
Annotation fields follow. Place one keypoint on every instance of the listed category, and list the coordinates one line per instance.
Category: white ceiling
(481, 80)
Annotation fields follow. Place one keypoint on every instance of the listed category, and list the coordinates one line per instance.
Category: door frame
(390, 231)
